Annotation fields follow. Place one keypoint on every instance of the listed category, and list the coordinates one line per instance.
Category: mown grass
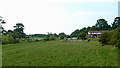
(59, 53)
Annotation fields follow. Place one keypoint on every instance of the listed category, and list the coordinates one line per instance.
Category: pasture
(59, 53)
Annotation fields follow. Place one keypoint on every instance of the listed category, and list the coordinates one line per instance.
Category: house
(94, 34)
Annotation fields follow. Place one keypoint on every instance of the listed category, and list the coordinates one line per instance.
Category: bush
(115, 36)
(7, 39)
(61, 37)
(88, 40)
(105, 38)
(82, 36)
(117, 44)
(92, 39)
(49, 37)
(111, 37)
(52, 37)
(36, 40)
(46, 38)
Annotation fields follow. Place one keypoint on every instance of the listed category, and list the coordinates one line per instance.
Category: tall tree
(116, 23)
(62, 35)
(3, 31)
(75, 33)
(19, 29)
(102, 24)
(1, 28)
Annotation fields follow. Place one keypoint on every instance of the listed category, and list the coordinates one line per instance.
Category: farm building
(94, 34)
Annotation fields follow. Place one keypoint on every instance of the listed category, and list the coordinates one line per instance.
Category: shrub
(111, 37)
(49, 37)
(117, 44)
(105, 37)
(61, 37)
(88, 40)
(82, 36)
(115, 36)
(52, 37)
(46, 38)
(36, 40)
(92, 39)
(7, 39)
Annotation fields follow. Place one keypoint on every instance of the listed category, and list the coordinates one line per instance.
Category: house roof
(96, 31)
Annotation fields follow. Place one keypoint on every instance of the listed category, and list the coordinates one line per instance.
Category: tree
(68, 36)
(102, 24)
(93, 28)
(1, 28)
(105, 38)
(62, 35)
(82, 36)
(49, 37)
(52, 37)
(75, 33)
(19, 28)
(19, 25)
(3, 22)
(16, 35)
(4, 32)
(55, 35)
(111, 37)
(7, 39)
(9, 31)
(116, 23)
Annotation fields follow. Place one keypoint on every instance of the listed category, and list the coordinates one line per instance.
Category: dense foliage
(7, 39)
(49, 37)
(13, 36)
(82, 36)
(19, 29)
(62, 35)
(102, 25)
(116, 23)
(37, 35)
(111, 37)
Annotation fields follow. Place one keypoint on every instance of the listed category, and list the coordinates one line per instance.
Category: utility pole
(0, 43)
(1, 22)
(119, 9)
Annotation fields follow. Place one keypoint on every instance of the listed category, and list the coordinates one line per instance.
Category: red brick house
(94, 34)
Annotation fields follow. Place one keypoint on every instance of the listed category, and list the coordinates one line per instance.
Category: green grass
(59, 53)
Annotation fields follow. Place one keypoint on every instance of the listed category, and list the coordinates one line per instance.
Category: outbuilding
(94, 34)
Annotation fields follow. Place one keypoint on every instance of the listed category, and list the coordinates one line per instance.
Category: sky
(56, 16)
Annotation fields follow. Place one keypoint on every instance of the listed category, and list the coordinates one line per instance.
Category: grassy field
(59, 53)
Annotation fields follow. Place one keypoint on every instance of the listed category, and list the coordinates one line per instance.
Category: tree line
(101, 24)
(14, 36)
(50, 36)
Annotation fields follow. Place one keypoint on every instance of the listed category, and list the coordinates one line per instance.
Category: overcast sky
(55, 16)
